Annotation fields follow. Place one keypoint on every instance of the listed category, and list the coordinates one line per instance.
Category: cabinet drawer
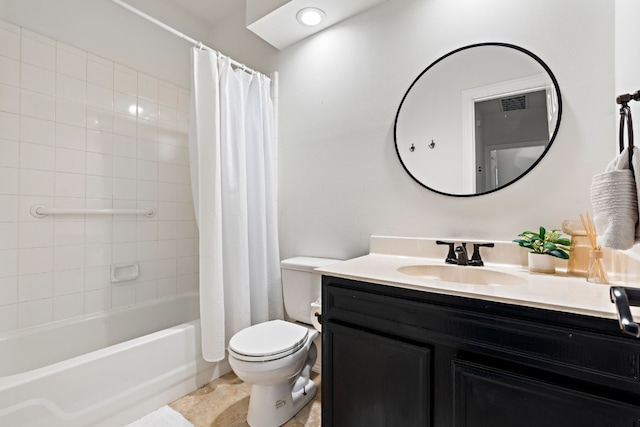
(558, 347)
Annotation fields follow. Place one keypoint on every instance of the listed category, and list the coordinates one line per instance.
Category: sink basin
(459, 274)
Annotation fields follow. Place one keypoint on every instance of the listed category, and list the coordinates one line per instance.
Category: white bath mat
(163, 417)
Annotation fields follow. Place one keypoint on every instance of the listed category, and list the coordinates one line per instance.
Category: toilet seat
(268, 341)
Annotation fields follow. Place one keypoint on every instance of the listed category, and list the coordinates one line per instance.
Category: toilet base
(274, 405)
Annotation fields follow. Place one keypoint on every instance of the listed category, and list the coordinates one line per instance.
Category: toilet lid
(267, 341)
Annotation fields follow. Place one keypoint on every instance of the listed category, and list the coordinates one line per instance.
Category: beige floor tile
(224, 402)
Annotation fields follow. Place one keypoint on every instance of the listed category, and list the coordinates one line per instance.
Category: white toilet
(276, 357)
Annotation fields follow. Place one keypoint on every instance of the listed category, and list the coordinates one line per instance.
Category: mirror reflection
(477, 119)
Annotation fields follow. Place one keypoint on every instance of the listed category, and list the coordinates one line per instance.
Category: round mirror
(477, 119)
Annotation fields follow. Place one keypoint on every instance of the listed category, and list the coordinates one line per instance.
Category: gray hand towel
(614, 199)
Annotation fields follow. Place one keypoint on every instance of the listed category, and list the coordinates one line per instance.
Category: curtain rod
(175, 32)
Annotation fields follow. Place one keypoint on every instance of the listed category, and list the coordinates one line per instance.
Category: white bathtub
(105, 369)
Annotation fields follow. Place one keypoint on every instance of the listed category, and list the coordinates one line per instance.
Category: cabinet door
(373, 380)
(490, 397)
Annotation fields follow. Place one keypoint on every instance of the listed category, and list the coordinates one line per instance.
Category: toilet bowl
(276, 357)
(278, 369)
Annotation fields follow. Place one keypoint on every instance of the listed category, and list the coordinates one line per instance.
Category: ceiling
(212, 12)
(277, 25)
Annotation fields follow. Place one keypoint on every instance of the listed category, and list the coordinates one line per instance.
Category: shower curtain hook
(200, 45)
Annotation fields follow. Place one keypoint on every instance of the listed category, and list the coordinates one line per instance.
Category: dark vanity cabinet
(397, 357)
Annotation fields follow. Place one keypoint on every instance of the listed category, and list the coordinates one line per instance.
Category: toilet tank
(301, 286)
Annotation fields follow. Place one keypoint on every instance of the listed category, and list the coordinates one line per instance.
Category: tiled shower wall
(78, 130)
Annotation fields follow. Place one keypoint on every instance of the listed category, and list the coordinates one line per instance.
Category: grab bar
(40, 211)
(623, 299)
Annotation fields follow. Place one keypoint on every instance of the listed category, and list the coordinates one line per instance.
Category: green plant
(547, 242)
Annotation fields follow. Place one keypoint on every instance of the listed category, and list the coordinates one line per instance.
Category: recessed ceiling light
(310, 16)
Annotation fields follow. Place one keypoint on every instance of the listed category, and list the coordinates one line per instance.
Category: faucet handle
(451, 256)
(476, 259)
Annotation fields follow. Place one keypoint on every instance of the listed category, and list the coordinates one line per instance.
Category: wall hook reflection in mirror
(412, 148)
(432, 145)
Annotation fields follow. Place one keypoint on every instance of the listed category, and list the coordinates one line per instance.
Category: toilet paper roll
(315, 318)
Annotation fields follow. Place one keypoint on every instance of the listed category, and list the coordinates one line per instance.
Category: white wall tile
(123, 295)
(99, 97)
(147, 190)
(99, 187)
(36, 156)
(37, 79)
(9, 235)
(37, 50)
(69, 185)
(9, 71)
(125, 80)
(69, 139)
(36, 234)
(72, 161)
(99, 164)
(71, 113)
(37, 131)
(38, 105)
(100, 119)
(100, 71)
(35, 286)
(8, 263)
(72, 137)
(124, 231)
(8, 317)
(9, 125)
(166, 249)
(125, 125)
(9, 183)
(71, 62)
(97, 300)
(123, 252)
(147, 170)
(124, 189)
(69, 233)
(9, 43)
(167, 287)
(71, 89)
(148, 87)
(146, 291)
(68, 282)
(9, 99)
(124, 146)
(68, 306)
(185, 265)
(8, 290)
(125, 104)
(9, 153)
(168, 94)
(35, 260)
(99, 232)
(68, 258)
(97, 277)
(147, 231)
(124, 167)
(184, 100)
(97, 255)
(99, 142)
(34, 313)
(185, 229)
(36, 183)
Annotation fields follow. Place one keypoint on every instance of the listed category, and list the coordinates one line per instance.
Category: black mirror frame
(533, 165)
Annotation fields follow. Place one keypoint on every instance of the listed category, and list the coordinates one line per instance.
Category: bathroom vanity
(417, 351)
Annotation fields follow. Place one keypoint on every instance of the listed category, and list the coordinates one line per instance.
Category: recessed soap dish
(124, 271)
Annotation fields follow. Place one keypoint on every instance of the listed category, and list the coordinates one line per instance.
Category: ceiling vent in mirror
(514, 103)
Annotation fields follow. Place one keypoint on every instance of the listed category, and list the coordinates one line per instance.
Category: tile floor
(224, 402)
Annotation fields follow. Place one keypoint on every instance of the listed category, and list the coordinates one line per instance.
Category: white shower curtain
(234, 180)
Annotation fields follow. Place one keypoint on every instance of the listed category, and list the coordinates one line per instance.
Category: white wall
(340, 179)
(68, 139)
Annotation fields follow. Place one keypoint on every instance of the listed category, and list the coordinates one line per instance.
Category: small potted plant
(543, 246)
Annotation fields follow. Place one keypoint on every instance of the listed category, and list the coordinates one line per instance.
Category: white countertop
(558, 292)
